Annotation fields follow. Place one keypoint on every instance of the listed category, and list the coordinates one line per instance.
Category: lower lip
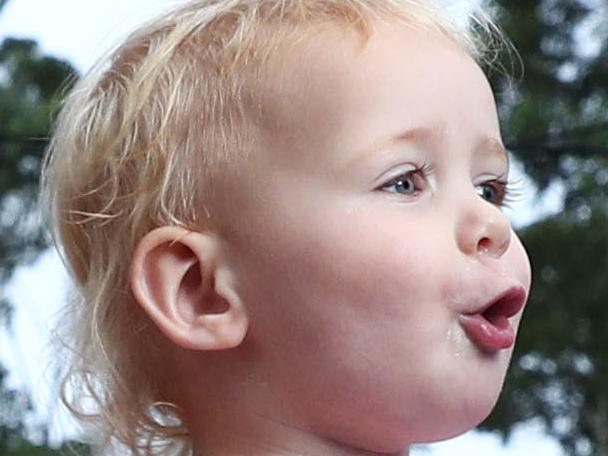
(489, 336)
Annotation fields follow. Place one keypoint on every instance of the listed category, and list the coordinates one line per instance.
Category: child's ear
(179, 279)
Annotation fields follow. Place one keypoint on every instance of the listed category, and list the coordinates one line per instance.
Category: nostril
(484, 245)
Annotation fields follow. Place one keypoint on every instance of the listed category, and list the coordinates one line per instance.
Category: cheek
(362, 266)
(360, 289)
(518, 261)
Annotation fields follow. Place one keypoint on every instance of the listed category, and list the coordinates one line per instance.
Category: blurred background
(555, 123)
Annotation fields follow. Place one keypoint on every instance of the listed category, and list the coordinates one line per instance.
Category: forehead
(336, 84)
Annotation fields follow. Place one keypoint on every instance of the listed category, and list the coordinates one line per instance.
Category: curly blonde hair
(137, 146)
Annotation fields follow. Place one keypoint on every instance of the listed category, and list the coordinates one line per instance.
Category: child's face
(357, 270)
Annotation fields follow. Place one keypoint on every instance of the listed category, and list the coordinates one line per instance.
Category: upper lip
(507, 303)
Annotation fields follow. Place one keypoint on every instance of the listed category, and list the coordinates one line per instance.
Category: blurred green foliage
(13, 441)
(67, 449)
(30, 94)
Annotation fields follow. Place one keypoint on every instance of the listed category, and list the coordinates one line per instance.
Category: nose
(482, 229)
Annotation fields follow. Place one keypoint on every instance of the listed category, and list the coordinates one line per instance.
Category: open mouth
(490, 328)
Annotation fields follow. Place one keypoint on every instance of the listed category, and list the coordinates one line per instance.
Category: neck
(230, 434)
(251, 417)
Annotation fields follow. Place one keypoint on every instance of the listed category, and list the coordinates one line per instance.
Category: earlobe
(180, 280)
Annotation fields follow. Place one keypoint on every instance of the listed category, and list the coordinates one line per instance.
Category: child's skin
(325, 313)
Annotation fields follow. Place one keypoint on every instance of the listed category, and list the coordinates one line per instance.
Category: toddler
(283, 221)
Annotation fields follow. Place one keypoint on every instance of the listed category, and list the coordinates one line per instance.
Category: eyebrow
(429, 135)
(495, 147)
(417, 135)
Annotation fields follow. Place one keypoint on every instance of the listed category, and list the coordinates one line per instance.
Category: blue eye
(494, 192)
(404, 185)
(409, 183)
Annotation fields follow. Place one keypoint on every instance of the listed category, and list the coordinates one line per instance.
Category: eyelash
(506, 190)
(512, 191)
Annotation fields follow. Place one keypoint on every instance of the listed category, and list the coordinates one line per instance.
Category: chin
(459, 412)
(433, 423)
(443, 429)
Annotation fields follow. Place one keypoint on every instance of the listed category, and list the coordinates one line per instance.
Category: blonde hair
(137, 146)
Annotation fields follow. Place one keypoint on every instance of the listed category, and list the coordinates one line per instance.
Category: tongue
(499, 321)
